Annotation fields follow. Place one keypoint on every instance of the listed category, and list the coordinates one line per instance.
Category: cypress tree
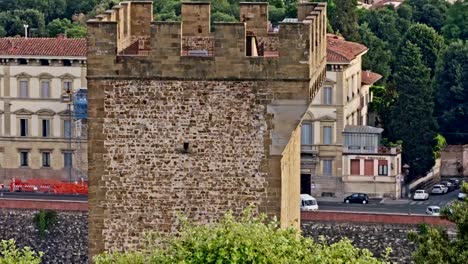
(412, 117)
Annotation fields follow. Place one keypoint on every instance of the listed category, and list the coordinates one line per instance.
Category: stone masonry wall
(149, 178)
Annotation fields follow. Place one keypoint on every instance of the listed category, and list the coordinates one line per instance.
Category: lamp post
(69, 134)
(406, 168)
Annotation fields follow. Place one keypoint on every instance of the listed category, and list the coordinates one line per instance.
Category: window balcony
(309, 149)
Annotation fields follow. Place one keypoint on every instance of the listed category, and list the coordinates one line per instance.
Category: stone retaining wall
(65, 243)
(375, 237)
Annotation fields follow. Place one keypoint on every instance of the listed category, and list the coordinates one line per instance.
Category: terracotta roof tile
(53, 47)
(340, 50)
(369, 77)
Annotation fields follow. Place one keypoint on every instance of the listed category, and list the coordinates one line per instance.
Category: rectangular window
(307, 134)
(327, 167)
(23, 127)
(45, 128)
(45, 159)
(383, 167)
(355, 167)
(327, 135)
(369, 167)
(67, 129)
(24, 159)
(23, 91)
(67, 85)
(67, 160)
(45, 89)
(327, 96)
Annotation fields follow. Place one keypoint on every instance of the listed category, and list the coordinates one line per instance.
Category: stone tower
(198, 119)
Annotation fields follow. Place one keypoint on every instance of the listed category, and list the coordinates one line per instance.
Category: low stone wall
(375, 237)
(67, 242)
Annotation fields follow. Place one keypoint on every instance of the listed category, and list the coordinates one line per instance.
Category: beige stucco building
(39, 136)
(336, 135)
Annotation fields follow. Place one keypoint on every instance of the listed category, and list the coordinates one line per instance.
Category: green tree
(412, 113)
(343, 19)
(429, 12)
(383, 98)
(435, 246)
(247, 240)
(385, 24)
(58, 26)
(456, 24)
(451, 82)
(276, 14)
(34, 19)
(378, 58)
(11, 24)
(428, 41)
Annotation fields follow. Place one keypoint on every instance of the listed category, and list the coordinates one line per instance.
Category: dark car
(450, 186)
(361, 198)
(455, 182)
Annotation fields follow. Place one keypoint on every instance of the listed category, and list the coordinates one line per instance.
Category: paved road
(42, 196)
(403, 206)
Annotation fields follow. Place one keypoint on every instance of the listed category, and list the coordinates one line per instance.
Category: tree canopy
(412, 117)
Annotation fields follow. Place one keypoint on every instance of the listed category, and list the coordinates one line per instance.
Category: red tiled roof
(340, 50)
(369, 77)
(47, 47)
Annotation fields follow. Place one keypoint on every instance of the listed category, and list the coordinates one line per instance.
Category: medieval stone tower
(196, 118)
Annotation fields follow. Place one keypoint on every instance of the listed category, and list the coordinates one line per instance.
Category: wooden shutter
(369, 167)
(355, 167)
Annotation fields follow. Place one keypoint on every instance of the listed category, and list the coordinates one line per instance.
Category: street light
(69, 134)
(406, 168)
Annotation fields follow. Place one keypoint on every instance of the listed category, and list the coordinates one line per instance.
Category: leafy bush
(9, 254)
(244, 240)
(44, 220)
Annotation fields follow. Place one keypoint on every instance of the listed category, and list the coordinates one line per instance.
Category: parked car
(439, 189)
(449, 185)
(461, 196)
(357, 198)
(421, 195)
(433, 210)
(308, 203)
(455, 182)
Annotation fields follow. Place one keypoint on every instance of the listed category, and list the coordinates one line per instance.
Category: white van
(308, 203)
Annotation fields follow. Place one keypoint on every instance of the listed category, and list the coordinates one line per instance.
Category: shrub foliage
(248, 239)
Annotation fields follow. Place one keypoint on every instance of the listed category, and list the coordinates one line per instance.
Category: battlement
(126, 41)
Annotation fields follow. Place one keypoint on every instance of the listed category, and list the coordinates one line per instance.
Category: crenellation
(196, 19)
(255, 17)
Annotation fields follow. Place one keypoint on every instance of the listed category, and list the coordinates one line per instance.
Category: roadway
(389, 206)
(42, 196)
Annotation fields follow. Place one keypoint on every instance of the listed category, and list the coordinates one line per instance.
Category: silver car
(433, 210)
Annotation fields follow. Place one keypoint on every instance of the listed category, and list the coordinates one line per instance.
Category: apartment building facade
(335, 131)
(39, 136)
